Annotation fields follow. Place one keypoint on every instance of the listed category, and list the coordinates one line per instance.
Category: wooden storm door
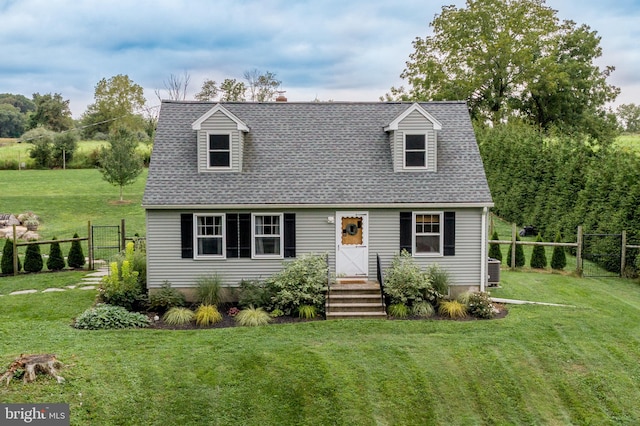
(352, 235)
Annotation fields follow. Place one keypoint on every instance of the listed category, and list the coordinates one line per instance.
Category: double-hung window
(415, 151)
(427, 235)
(209, 235)
(219, 151)
(268, 236)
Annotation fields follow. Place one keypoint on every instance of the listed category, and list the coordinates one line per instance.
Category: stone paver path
(88, 282)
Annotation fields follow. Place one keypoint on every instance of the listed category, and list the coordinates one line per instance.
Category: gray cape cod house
(237, 189)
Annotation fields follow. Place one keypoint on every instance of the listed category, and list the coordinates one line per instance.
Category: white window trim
(404, 151)
(414, 234)
(209, 166)
(254, 255)
(195, 237)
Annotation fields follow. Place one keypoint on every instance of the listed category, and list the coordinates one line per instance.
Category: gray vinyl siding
(220, 123)
(414, 123)
(314, 234)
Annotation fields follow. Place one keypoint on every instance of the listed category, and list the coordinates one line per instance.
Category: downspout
(483, 251)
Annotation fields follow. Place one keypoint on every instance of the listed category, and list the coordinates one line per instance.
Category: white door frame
(352, 260)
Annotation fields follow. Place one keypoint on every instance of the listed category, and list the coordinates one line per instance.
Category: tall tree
(21, 102)
(120, 165)
(175, 87)
(629, 117)
(12, 122)
(232, 90)
(510, 58)
(209, 91)
(52, 112)
(118, 101)
(262, 87)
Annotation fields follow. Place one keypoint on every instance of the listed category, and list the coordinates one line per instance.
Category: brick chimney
(281, 97)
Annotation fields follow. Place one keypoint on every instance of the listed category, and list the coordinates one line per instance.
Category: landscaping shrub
(178, 316)
(6, 265)
(494, 249)
(307, 312)
(166, 298)
(120, 287)
(276, 313)
(302, 281)
(558, 257)
(252, 317)
(75, 259)
(404, 281)
(102, 317)
(64, 145)
(538, 257)
(439, 281)
(520, 260)
(208, 289)
(423, 309)
(398, 310)
(452, 309)
(55, 262)
(207, 315)
(254, 293)
(479, 305)
(33, 259)
(136, 255)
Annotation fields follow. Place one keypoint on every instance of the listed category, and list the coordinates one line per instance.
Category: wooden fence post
(579, 251)
(123, 241)
(623, 256)
(15, 251)
(90, 244)
(514, 231)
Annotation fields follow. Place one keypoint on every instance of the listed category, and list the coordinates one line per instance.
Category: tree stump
(32, 364)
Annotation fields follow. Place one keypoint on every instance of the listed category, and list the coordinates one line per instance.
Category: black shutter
(233, 248)
(186, 235)
(406, 225)
(289, 235)
(449, 233)
(244, 226)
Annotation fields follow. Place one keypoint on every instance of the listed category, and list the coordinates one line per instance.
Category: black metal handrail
(379, 275)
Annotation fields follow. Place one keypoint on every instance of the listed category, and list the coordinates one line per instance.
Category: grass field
(539, 365)
(629, 140)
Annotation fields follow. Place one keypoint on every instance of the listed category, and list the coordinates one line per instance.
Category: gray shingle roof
(314, 153)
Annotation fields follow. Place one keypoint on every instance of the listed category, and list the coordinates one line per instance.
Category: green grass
(629, 141)
(539, 365)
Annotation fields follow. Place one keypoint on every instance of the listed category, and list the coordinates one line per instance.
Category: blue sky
(344, 50)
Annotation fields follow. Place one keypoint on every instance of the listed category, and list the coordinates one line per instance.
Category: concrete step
(356, 315)
(355, 298)
(355, 307)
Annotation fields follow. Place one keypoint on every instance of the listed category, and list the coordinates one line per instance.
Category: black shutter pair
(406, 232)
(238, 235)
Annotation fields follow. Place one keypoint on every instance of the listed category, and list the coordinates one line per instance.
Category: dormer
(220, 137)
(414, 140)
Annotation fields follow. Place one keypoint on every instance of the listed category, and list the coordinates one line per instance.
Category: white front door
(352, 239)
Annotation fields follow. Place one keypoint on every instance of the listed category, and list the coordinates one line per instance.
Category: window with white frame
(209, 235)
(267, 235)
(415, 151)
(427, 233)
(219, 151)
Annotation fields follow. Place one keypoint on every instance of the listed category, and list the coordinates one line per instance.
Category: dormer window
(219, 151)
(415, 151)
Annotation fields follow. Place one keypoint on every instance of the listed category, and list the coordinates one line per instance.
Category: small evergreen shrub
(103, 317)
(253, 293)
(404, 281)
(33, 259)
(558, 257)
(423, 309)
(7, 258)
(494, 249)
(178, 316)
(307, 312)
(166, 298)
(208, 289)
(479, 305)
(120, 287)
(252, 317)
(207, 315)
(398, 310)
(75, 259)
(55, 262)
(538, 257)
(452, 309)
(520, 260)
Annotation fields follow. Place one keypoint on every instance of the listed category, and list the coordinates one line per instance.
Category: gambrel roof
(315, 154)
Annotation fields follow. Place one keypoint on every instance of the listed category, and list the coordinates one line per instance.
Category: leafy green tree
(494, 249)
(12, 122)
(558, 257)
(629, 117)
(52, 112)
(33, 259)
(21, 102)
(55, 262)
(76, 259)
(512, 58)
(120, 165)
(7, 258)
(262, 87)
(64, 146)
(42, 141)
(209, 91)
(520, 259)
(538, 256)
(232, 90)
(117, 102)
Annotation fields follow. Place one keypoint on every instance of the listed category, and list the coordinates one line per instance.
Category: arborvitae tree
(558, 258)
(7, 258)
(538, 257)
(76, 256)
(33, 259)
(520, 260)
(494, 249)
(56, 260)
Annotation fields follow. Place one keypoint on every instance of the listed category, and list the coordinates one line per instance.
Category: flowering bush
(479, 305)
(404, 281)
(232, 312)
